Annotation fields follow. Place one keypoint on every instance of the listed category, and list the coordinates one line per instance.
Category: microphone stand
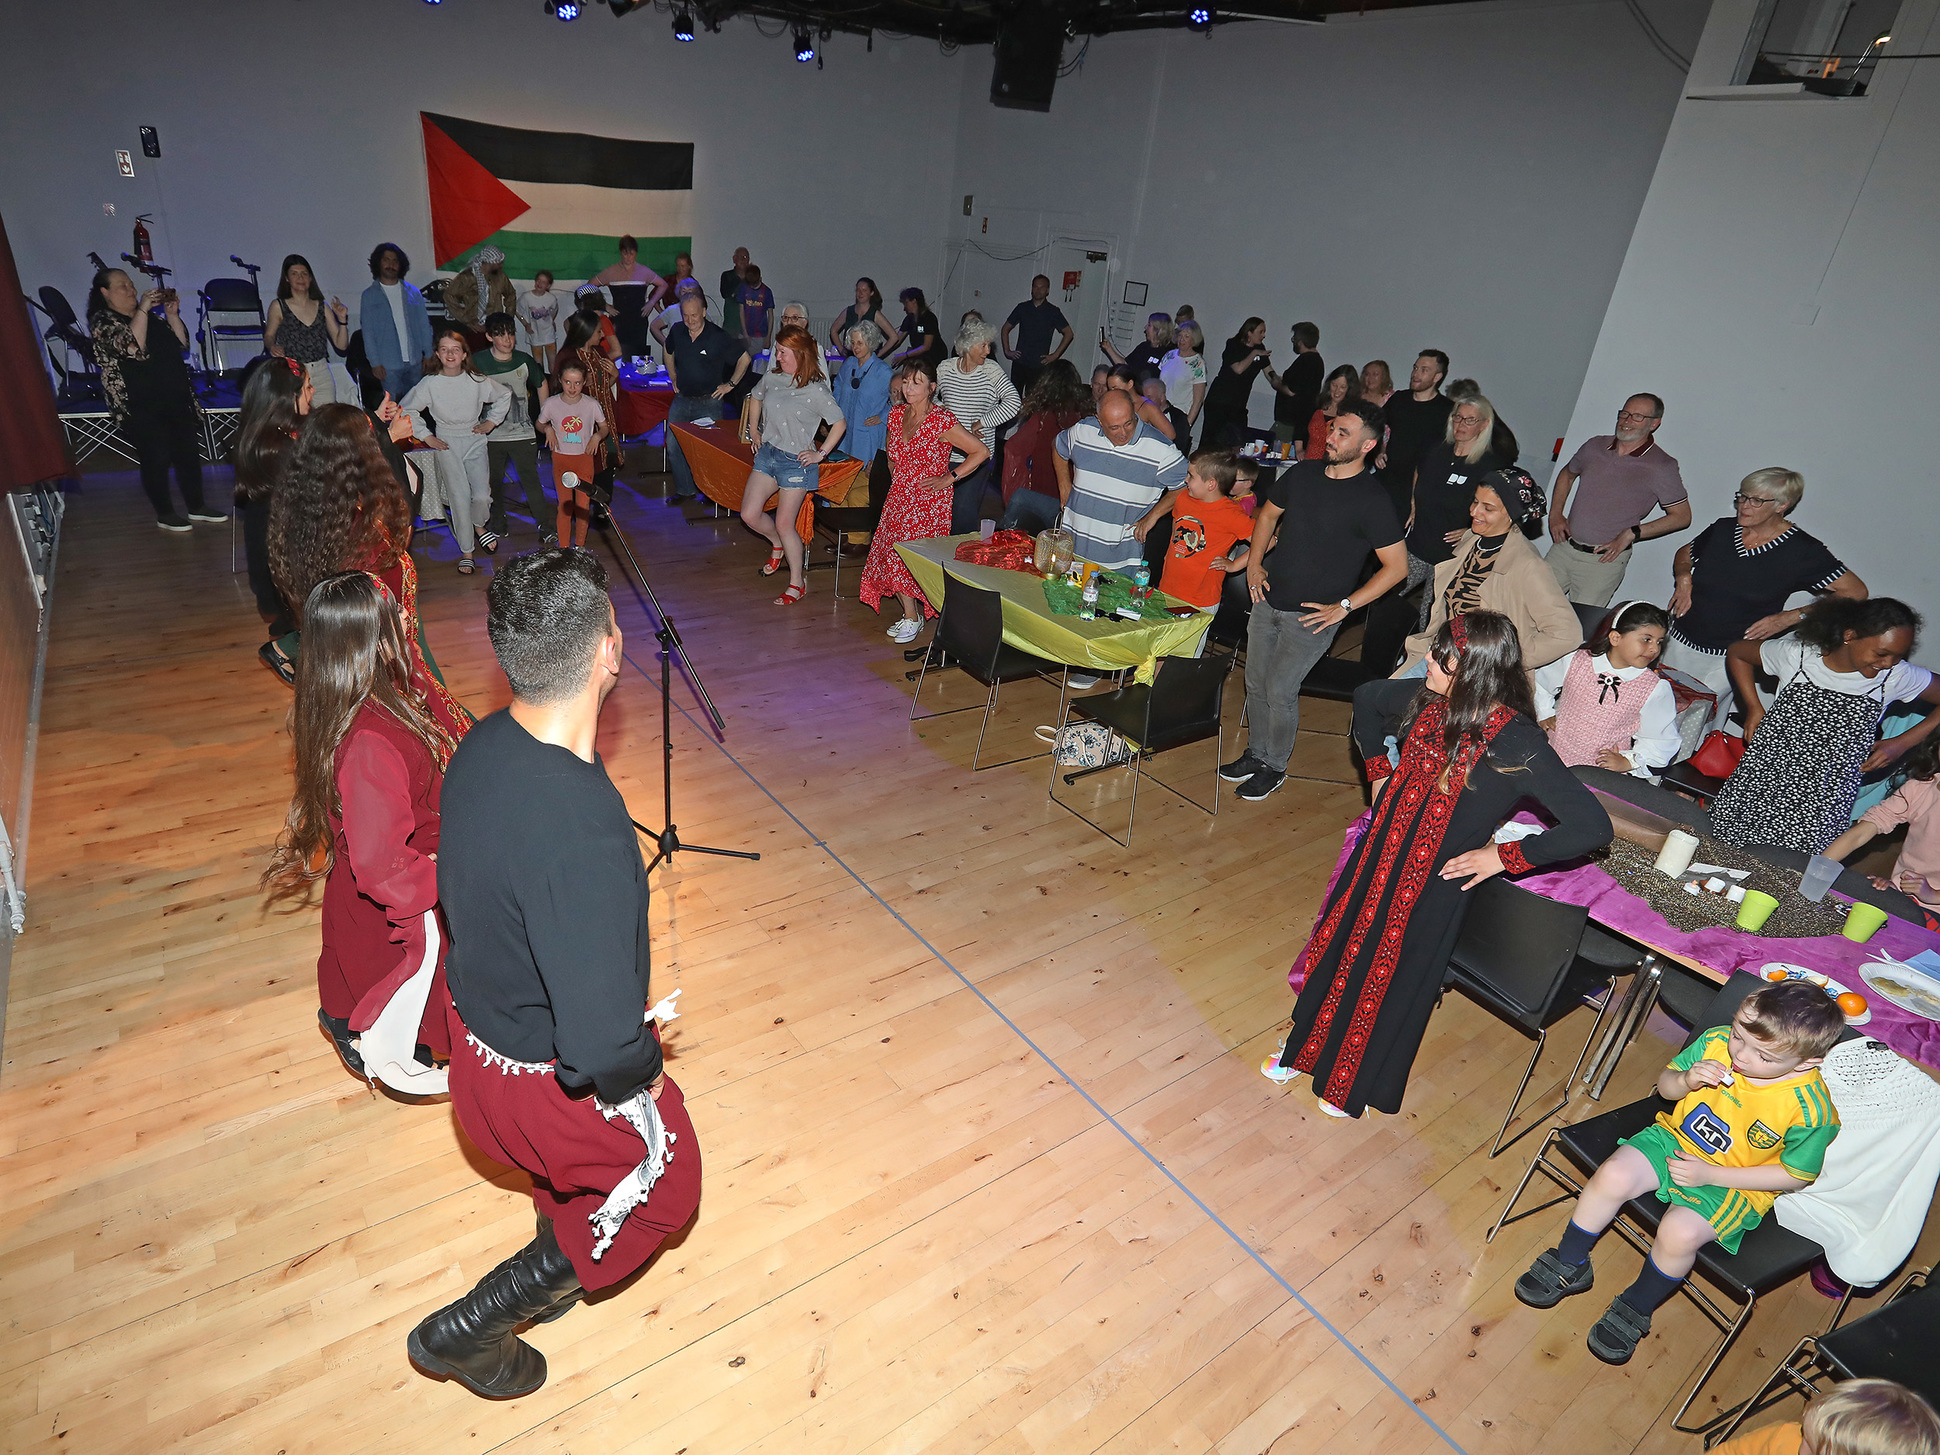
(668, 839)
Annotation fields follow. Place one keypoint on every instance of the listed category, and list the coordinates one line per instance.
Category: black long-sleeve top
(543, 885)
(1520, 765)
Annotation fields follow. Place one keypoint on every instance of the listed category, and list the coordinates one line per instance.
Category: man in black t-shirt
(1036, 322)
(706, 363)
(1417, 418)
(1309, 584)
(556, 1065)
(1296, 393)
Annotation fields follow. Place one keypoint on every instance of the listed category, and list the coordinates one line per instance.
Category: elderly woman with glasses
(1733, 579)
(980, 396)
(862, 392)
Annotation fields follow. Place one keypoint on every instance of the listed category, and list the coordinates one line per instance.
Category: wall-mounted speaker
(1029, 51)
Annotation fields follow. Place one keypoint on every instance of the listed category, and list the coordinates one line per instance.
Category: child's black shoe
(1615, 1336)
(1550, 1280)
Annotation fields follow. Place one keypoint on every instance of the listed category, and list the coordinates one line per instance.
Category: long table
(1107, 644)
(722, 463)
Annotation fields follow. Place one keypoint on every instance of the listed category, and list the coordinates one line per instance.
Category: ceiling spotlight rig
(1200, 18)
(683, 24)
(804, 45)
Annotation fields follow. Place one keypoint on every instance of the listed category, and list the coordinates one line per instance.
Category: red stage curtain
(32, 447)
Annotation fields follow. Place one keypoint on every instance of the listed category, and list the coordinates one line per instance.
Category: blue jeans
(966, 500)
(785, 470)
(1030, 512)
(685, 409)
(399, 378)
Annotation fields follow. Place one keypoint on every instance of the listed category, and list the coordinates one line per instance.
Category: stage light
(683, 25)
(433, 2)
(804, 44)
(567, 9)
(1200, 18)
(623, 7)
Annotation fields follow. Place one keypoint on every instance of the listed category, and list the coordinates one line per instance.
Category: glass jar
(1053, 551)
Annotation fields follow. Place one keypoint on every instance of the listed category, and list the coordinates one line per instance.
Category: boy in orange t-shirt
(1206, 524)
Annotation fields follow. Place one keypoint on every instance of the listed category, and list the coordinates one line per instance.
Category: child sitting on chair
(1858, 1417)
(1603, 706)
(1752, 1120)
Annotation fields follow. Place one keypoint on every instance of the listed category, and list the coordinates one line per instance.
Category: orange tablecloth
(721, 465)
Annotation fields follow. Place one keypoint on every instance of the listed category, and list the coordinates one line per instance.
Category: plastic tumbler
(1863, 922)
(1756, 909)
(1820, 872)
(986, 528)
(1675, 857)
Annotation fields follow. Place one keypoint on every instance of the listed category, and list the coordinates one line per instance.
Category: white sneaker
(905, 631)
(1327, 1108)
(1273, 1071)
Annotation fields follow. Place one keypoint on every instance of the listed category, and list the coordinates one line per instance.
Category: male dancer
(555, 1063)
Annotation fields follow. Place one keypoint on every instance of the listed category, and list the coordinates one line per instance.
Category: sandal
(487, 542)
(792, 595)
(466, 566)
(775, 558)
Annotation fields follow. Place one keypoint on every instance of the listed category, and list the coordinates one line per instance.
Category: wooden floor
(989, 1165)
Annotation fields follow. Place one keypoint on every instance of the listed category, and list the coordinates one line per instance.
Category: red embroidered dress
(1382, 940)
(912, 512)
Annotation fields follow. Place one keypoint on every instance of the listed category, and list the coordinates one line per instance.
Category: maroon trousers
(575, 1156)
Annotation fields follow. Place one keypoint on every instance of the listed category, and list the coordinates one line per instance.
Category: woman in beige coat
(1494, 568)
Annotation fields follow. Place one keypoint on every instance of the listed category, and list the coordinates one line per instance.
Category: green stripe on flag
(571, 254)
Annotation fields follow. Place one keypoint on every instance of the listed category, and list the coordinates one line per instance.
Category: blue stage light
(567, 9)
(804, 44)
(1200, 17)
(683, 25)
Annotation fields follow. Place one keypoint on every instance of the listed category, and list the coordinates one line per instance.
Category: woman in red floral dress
(921, 433)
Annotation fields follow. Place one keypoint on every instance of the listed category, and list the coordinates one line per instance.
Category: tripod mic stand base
(667, 841)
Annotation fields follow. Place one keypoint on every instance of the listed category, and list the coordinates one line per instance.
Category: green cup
(1863, 922)
(1756, 909)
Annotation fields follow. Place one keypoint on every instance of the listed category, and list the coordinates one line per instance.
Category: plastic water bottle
(1088, 611)
(1141, 575)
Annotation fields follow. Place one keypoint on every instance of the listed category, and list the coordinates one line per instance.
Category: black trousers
(269, 601)
(171, 436)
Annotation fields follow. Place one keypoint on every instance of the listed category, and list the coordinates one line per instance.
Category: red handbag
(1717, 756)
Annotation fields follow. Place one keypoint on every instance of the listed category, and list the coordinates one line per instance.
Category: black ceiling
(980, 22)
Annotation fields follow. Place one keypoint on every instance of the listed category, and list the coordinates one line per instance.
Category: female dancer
(301, 327)
(601, 381)
(782, 413)
(1806, 751)
(279, 393)
(466, 407)
(364, 819)
(338, 507)
(921, 436)
(1470, 750)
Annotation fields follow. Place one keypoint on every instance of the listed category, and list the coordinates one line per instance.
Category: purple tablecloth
(1725, 950)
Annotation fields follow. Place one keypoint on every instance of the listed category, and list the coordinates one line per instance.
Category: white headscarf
(484, 258)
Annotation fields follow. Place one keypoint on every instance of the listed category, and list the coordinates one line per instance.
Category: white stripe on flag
(602, 211)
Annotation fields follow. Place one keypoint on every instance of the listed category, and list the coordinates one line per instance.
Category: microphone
(237, 261)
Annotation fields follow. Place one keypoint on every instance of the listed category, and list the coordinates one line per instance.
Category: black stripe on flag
(513, 155)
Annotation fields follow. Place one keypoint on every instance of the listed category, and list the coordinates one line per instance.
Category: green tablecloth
(1108, 645)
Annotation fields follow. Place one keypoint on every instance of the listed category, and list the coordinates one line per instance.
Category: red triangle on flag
(468, 204)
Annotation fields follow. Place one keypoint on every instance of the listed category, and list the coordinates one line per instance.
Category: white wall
(1462, 177)
(1780, 294)
(292, 127)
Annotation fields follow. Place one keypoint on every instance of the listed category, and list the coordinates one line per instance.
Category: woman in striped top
(981, 397)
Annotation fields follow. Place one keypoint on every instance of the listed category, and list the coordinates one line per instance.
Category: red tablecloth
(642, 406)
(721, 465)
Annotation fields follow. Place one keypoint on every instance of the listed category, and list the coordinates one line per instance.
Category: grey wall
(292, 127)
(1779, 292)
(1462, 177)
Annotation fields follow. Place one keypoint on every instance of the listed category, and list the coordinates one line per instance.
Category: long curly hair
(1057, 390)
(354, 651)
(1828, 619)
(337, 506)
(268, 426)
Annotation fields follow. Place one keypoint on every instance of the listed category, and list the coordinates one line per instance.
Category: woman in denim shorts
(782, 414)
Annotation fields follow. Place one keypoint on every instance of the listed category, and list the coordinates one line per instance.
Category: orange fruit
(1851, 1004)
(1774, 975)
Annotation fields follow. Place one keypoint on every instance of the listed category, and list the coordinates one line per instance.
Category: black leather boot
(472, 1340)
(345, 1042)
(563, 1304)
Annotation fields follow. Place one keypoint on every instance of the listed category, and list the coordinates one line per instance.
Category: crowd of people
(484, 917)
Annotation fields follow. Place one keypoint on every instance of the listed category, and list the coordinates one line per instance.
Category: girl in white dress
(465, 407)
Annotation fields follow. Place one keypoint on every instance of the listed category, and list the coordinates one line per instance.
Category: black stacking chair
(1182, 705)
(65, 329)
(1770, 1256)
(970, 635)
(839, 520)
(1589, 618)
(232, 311)
(1518, 955)
(1687, 780)
(1895, 1341)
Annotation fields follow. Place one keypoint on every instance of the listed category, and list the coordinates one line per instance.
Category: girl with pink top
(1608, 709)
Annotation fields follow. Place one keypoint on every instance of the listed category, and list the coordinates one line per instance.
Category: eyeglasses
(1636, 418)
(1742, 499)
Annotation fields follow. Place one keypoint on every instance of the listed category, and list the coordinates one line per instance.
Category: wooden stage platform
(989, 1164)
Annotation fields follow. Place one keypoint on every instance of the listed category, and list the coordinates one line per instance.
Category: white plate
(1824, 982)
(1911, 991)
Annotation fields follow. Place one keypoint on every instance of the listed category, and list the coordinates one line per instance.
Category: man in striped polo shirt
(1112, 470)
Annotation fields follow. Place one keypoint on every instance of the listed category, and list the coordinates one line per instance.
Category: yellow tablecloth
(1108, 645)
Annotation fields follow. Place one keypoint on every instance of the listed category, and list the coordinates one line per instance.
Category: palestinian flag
(554, 199)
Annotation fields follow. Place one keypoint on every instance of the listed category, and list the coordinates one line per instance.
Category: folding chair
(232, 312)
(64, 329)
(1770, 1256)
(839, 520)
(970, 635)
(1520, 956)
(1895, 1341)
(1182, 705)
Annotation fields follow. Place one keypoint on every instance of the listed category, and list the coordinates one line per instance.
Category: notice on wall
(125, 164)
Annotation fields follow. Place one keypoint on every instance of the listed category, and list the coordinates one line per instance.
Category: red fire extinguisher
(143, 248)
